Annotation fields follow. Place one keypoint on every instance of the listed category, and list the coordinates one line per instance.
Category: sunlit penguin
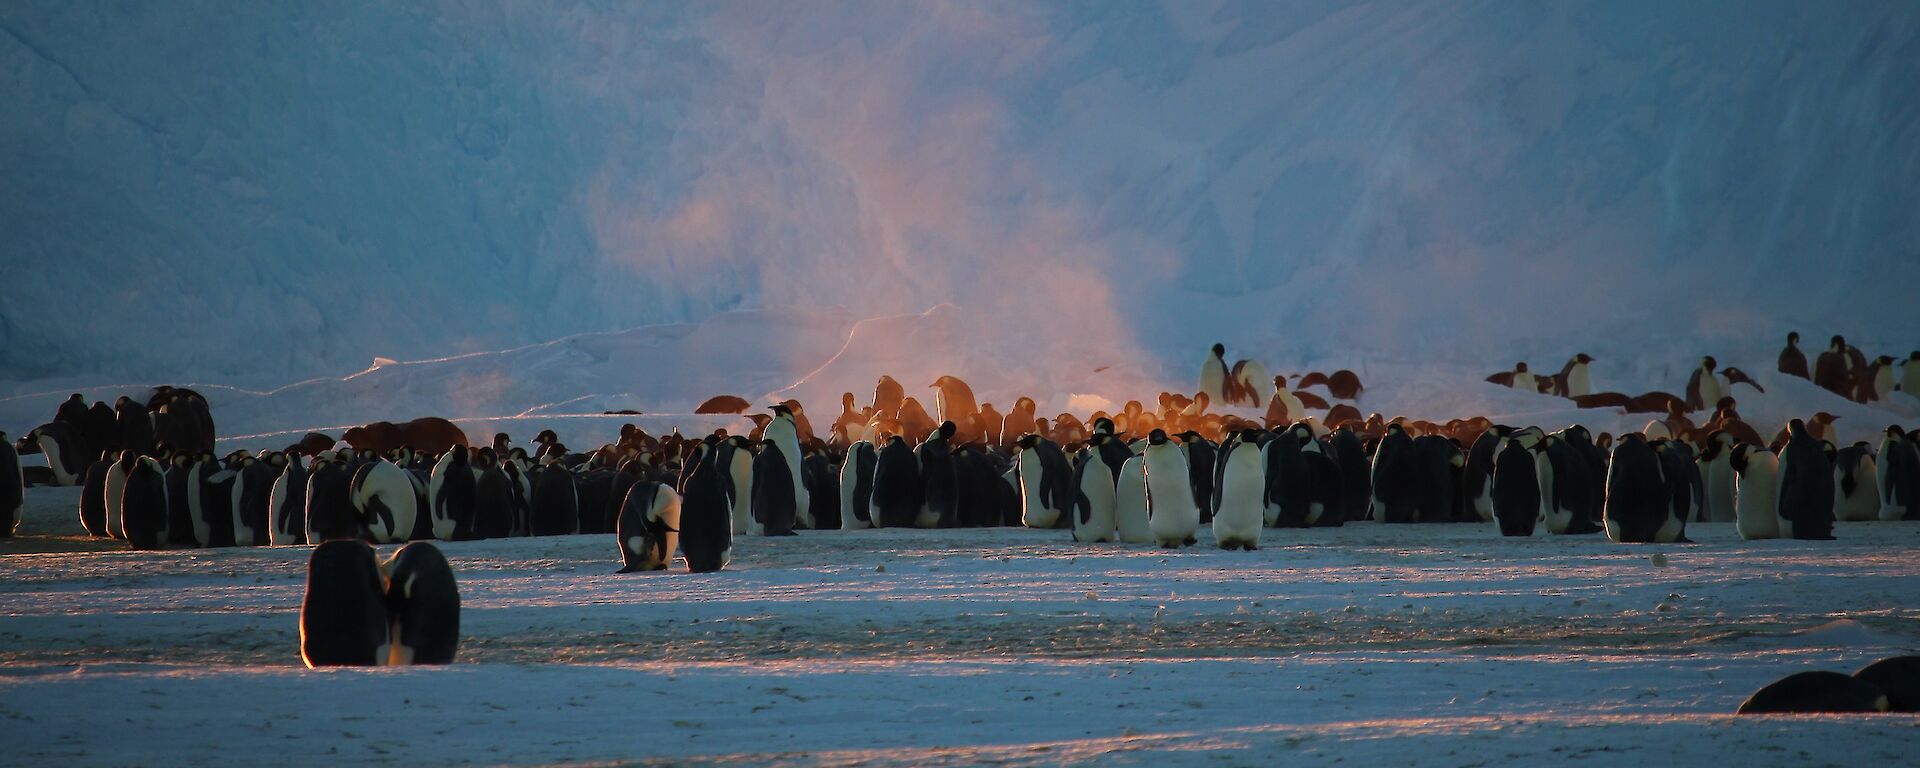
(1856, 481)
(1898, 479)
(1805, 500)
(383, 496)
(1213, 373)
(1703, 387)
(114, 484)
(856, 486)
(1757, 470)
(1093, 495)
(1251, 379)
(706, 528)
(1575, 379)
(1171, 514)
(785, 434)
(343, 616)
(1717, 479)
(1046, 482)
(648, 527)
(733, 462)
(423, 606)
(59, 444)
(1130, 502)
(1239, 512)
(287, 503)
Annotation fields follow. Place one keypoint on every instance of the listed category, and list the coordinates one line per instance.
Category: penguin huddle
(361, 612)
(171, 420)
(1888, 685)
(1846, 371)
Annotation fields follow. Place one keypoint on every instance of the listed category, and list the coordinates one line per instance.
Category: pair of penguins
(360, 612)
(699, 520)
(1888, 685)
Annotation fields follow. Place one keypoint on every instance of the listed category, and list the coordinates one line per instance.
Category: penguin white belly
(196, 514)
(1712, 388)
(50, 449)
(1034, 513)
(1719, 494)
(1657, 430)
(849, 481)
(115, 488)
(1753, 506)
(1295, 410)
(1579, 380)
(1171, 515)
(1130, 503)
(1525, 382)
(741, 470)
(1255, 378)
(783, 432)
(1883, 381)
(1213, 379)
(1552, 516)
(1241, 514)
(1864, 503)
(1097, 488)
(242, 535)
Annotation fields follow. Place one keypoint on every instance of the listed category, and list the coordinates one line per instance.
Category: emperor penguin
(648, 527)
(705, 523)
(1523, 379)
(1830, 369)
(1639, 506)
(1213, 373)
(1703, 387)
(343, 616)
(1805, 498)
(1899, 476)
(423, 606)
(252, 502)
(1717, 479)
(1816, 691)
(1682, 478)
(287, 503)
(888, 395)
(59, 443)
(143, 504)
(1438, 466)
(896, 486)
(1130, 502)
(1252, 378)
(1575, 380)
(784, 433)
(382, 496)
(1793, 362)
(1286, 495)
(1569, 505)
(733, 463)
(1478, 474)
(939, 480)
(953, 401)
(1046, 482)
(1239, 510)
(1910, 375)
(1093, 495)
(492, 497)
(1856, 484)
(451, 489)
(112, 487)
(856, 486)
(13, 488)
(1758, 472)
(1283, 406)
(1395, 478)
(774, 505)
(1883, 381)
(555, 508)
(1356, 480)
(1521, 495)
(1171, 514)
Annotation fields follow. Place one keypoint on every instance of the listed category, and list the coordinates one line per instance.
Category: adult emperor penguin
(555, 502)
(938, 479)
(1639, 507)
(1046, 482)
(492, 498)
(1574, 379)
(1682, 478)
(1130, 503)
(1899, 677)
(1521, 491)
(648, 528)
(783, 432)
(252, 502)
(1899, 476)
(1213, 373)
(774, 502)
(1569, 507)
(93, 497)
(1910, 375)
(706, 520)
(423, 606)
(143, 504)
(1856, 484)
(1703, 387)
(856, 486)
(450, 489)
(1805, 501)
(1093, 487)
(1816, 692)
(287, 503)
(888, 395)
(1239, 511)
(953, 401)
(1286, 495)
(1438, 467)
(343, 617)
(1478, 474)
(59, 442)
(733, 464)
(1793, 362)
(1349, 454)
(1717, 479)
(1396, 492)
(1830, 369)
(1171, 515)
(13, 488)
(896, 486)
(1758, 471)
(330, 512)
(210, 495)
(382, 496)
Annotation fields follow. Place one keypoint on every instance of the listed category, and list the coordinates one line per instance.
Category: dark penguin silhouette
(1899, 476)
(330, 512)
(343, 618)
(289, 503)
(823, 487)
(1685, 489)
(1639, 504)
(1396, 491)
(253, 491)
(1808, 692)
(1805, 501)
(134, 425)
(423, 606)
(1356, 481)
(1830, 369)
(452, 487)
(13, 489)
(1793, 362)
(856, 484)
(93, 493)
(143, 504)
(492, 499)
(1478, 474)
(1574, 507)
(1438, 464)
(706, 522)
(774, 505)
(1288, 496)
(1899, 678)
(896, 486)
(1516, 490)
(555, 504)
(180, 527)
(1202, 455)
(939, 482)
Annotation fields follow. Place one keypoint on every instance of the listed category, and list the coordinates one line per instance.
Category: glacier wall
(255, 192)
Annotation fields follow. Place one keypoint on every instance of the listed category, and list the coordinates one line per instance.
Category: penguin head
(1250, 436)
(1519, 367)
(1737, 458)
(1824, 418)
(1708, 362)
(1884, 360)
(1028, 440)
(1219, 350)
(1158, 437)
(1797, 428)
(1583, 358)
(1396, 428)
(947, 430)
(1103, 426)
(1793, 337)
(1838, 343)
(780, 409)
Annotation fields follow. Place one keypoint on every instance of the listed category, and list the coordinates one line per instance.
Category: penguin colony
(1142, 476)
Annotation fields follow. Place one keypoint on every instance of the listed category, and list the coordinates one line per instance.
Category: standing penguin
(450, 491)
(1286, 495)
(1130, 503)
(13, 488)
(1395, 482)
(705, 521)
(1703, 387)
(555, 503)
(1856, 484)
(1438, 466)
(423, 606)
(181, 530)
(1201, 455)
(93, 494)
(59, 442)
(330, 512)
(1093, 487)
(733, 463)
(252, 501)
(1682, 478)
(1910, 375)
(143, 504)
(938, 480)
(1046, 483)
(1349, 455)
(1717, 479)
(210, 494)
(115, 484)
(774, 503)
(1574, 379)
(1568, 507)
(1639, 506)
(648, 527)
(1213, 373)
(383, 500)
(856, 486)
(954, 402)
(1519, 490)
(1899, 476)
(822, 479)
(343, 617)
(1793, 362)
(1171, 514)
(492, 498)
(783, 433)
(133, 424)
(287, 503)
(1478, 474)
(896, 486)
(1805, 501)
(1758, 472)
(1239, 510)
(1830, 369)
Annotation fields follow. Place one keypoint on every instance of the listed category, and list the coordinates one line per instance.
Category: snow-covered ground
(1370, 644)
